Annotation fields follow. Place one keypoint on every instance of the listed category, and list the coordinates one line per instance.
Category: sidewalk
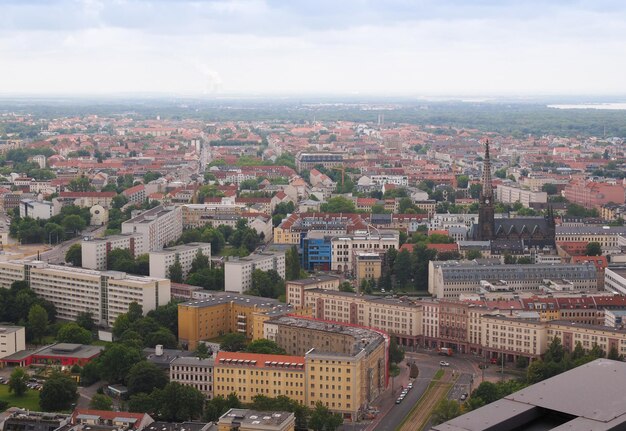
(387, 399)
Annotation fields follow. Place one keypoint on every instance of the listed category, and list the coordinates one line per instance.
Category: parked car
(464, 396)
(444, 363)
(399, 400)
(410, 386)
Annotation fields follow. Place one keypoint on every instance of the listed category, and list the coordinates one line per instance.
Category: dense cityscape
(270, 215)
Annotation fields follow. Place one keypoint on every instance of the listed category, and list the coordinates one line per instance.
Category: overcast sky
(278, 47)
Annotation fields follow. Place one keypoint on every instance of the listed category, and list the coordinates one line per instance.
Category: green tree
(233, 342)
(473, 254)
(347, 287)
(593, 249)
(396, 354)
(218, 406)
(37, 321)
(58, 393)
(292, 264)
(175, 271)
(500, 173)
(550, 189)
(73, 333)
(555, 352)
(338, 204)
(462, 181)
(264, 346)
(322, 419)
(161, 336)
(199, 262)
(135, 312)
(178, 403)
(85, 320)
(90, 373)
(202, 351)
(166, 315)
(80, 184)
(614, 354)
(144, 376)
(116, 361)
(73, 223)
(18, 382)
(445, 411)
(402, 268)
(101, 402)
(74, 255)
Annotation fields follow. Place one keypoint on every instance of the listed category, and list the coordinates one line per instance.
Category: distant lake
(620, 106)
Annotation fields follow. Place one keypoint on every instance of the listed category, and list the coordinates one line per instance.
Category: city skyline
(260, 47)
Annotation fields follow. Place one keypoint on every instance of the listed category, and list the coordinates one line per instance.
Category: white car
(444, 363)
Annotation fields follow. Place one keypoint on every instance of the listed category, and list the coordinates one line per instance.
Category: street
(56, 255)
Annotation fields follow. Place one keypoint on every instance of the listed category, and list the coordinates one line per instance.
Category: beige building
(106, 294)
(296, 288)
(12, 339)
(513, 337)
(194, 372)
(346, 247)
(400, 318)
(510, 194)
(160, 261)
(607, 236)
(251, 420)
(368, 266)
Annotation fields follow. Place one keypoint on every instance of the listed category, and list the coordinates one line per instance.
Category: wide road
(56, 255)
(398, 412)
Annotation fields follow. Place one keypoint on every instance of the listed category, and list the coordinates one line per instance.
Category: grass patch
(30, 399)
(438, 375)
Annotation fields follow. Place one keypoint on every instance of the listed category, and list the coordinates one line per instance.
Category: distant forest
(510, 118)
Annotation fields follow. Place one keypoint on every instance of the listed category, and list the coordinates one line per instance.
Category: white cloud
(254, 46)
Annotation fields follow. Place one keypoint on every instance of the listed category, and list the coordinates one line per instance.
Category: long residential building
(238, 271)
(401, 318)
(299, 225)
(609, 237)
(450, 279)
(159, 226)
(510, 194)
(194, 372)
(106, 294)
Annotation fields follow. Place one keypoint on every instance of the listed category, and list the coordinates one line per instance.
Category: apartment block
(95, 251)
(251, 374)
(401, 318)
(12, 339)
(36, 209)
(345, 247)
(609, 237)
(223, 313)
(591, 194)
(513, 337)
(295, 289)
(160, 261)
(368, 266)
(194, 372)
(300, 225)
(106, 294)
(346, 365)
(238, 271)
(136, 194)
(510, 194)
(159, 226)
(615, 280)
(307, 161)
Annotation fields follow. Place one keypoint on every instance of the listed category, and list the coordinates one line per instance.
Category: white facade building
(238, 271)
(615, 280)
(95, 250)
(106, 294)
(509, 194)
(12, 339)
(194, 372)
(345, 247)
(160, 261)
(159, 226)
(36, 209)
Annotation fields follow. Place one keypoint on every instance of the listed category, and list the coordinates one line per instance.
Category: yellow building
(224, 313)
(346, 365)
(513, 337)
(368, 266)
(251, 420)
(251, 374)
(295, 288)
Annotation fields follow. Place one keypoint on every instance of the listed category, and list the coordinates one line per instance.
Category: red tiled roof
(87, 194)
(258, 357)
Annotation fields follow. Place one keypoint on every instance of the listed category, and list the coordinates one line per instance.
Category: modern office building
(159, 226)
(238, 271)
(316, 253)
(161, 260)
(106, 294)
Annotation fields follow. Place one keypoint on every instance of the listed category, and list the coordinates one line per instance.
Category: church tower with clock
(486, 224)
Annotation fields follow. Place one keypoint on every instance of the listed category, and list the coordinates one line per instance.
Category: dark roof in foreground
(589, 397)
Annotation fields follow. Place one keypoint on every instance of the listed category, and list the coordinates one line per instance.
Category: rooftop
(182, 247)
(313, 280)
(589, 397)
(263, 420)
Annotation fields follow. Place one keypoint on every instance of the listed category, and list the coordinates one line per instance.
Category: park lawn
(30, 399)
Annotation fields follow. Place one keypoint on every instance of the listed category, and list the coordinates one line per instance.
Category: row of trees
(59, 391)
(71, 221)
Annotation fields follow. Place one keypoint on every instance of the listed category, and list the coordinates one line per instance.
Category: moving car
(444, 363)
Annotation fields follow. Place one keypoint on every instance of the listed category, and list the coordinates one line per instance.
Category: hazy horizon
(270, 48)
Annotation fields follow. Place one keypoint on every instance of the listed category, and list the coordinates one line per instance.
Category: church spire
(487, 187)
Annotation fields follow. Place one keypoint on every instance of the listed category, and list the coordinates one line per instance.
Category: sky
(313, 47)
